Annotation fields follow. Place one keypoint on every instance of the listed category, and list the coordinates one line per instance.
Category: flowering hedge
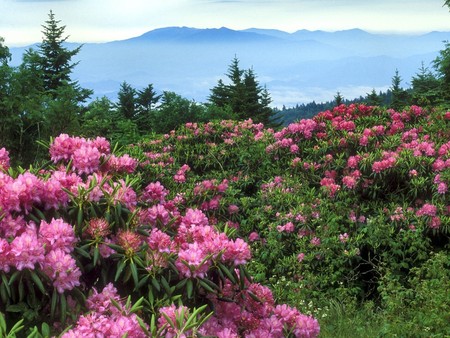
(204, 230)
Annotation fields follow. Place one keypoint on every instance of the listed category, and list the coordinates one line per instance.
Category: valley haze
(296, 68)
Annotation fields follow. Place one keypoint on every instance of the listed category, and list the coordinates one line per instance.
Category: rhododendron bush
(92, 246)
(208, 230)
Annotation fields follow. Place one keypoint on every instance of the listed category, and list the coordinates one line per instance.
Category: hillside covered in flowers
(232, 229)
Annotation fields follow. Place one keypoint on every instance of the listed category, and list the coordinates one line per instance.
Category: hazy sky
(106, 20)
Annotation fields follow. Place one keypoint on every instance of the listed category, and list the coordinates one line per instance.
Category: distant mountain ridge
(296, 67)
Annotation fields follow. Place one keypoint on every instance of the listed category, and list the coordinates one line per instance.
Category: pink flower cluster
(388, 161)
(105, 319)
(47, 247)
(4, 159)
(246, 317)
(180, 176)
(87, 155)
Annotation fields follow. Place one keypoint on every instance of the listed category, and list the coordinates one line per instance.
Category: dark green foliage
(244, 95)
(373, 99)
(399, 95)
(426, 88)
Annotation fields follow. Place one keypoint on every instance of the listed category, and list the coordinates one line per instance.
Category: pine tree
(127, 104)
(338, 99)
(425, 88)
(399, 95)
(146, 102)
(244, 96)
(373, 99)
(55, 60)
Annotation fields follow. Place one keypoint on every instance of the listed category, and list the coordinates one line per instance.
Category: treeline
(40, 100)
(429, 88)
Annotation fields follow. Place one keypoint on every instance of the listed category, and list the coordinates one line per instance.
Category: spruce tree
(399, 95)
(373, 99)
(244, 96)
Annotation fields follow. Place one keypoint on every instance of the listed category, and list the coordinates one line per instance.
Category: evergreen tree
(5, 55)
(442, 66)
(146, 101)
(55, 60)
(399, 95)
(426, 88)
(127, 104)
(338, 99)
(373, 99)
(244, 95)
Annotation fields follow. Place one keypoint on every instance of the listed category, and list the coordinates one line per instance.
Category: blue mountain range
(297, 67)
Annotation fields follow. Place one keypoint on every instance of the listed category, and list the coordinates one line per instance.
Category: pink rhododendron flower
(154, 192)
(26, 251)
(4, 159)
(254, 236)
(57, 235)
(122, 164)
(173, 312)
(238, 251)
(5, 255)
(62, 270)
(86, 159)
(427, 210)
(343, 237)
(193, 261)
(315, 241)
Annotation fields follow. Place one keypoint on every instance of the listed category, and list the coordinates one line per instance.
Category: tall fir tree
(399, 95)
(373, 99)
(426, 88)
(244, 96)
(126, 105)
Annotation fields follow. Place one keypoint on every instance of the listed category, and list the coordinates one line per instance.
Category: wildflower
(62, 269)
(57, 235)
(154, 192)
(193, 261)
(300, 257)
(254, 236)
(4, 159)
(26, 251)
(315, 241)
(86, 159)
(343, 237)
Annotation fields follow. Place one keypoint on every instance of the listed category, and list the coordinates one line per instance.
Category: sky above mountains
(107, 20)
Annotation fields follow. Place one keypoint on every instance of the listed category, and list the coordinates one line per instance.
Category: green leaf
(137, 306)
(134, 273)
(120, 268)
(82, 252)
(38, 282)
(189, 288)
(2, 324)
(13, 277)
(80, 216)
(53, 303)
(96, 255)
(142, 282)
(206, 286)
(227, 272)
(45, 329)
(156, 284)
(63, 308)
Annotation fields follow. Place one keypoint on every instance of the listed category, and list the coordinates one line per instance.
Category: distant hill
(297, 67)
